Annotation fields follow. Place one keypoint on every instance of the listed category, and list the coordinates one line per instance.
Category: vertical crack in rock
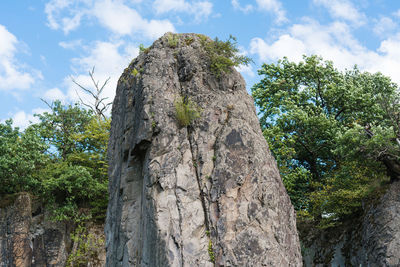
(179, 243)
(218, 135)
(235, 197)
(198, 178)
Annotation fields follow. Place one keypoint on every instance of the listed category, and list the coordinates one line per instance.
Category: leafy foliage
(21, 155)
(331, 132)
(223, 55)
(58, 127)
(186, 111)
(61, 159)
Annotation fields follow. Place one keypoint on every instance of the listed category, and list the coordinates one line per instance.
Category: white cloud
(72, 23)
(333, 42)
(343, 9)
(286, 45)
(384, 26)
(54, 94)
(71, 44)
(109, 59)
(165, 6)
(273, 6)
(12, 75)
(22, 119)
(55, 20)
(123, 20)
(246, 70)
(245, 9)
(52, 9)
(388, 61)
(200, 9)
(157, 28)
(115, 15)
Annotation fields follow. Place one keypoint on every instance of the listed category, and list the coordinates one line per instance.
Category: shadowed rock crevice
(210, 193)
(196, 161)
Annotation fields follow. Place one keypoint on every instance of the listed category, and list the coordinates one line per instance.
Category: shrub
(223, 55)
(186, 111)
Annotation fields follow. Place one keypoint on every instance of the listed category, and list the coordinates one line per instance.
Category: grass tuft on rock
(186, 111)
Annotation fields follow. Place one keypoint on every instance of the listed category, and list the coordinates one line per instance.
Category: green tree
(334, 134)
(75, 181)
(59, 126)
(21, 155)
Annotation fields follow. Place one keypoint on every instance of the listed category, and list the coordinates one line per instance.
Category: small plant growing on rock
(223, 55)
(189, 40)
(211, 251)
(86, 248)
(143, 49)
(186, 111)
(173, 40)
(134, 72)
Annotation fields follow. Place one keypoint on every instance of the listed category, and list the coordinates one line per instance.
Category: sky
(44, 44)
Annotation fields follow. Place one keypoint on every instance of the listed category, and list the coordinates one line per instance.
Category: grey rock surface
(373, 239)
(208, 194)
(381, 230)
(27, 238)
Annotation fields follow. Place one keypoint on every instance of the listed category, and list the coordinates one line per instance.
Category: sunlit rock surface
(205, 194)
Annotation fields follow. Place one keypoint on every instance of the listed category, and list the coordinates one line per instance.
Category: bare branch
(83, 103)
(83, 88)
(99, 107)
(50, 106)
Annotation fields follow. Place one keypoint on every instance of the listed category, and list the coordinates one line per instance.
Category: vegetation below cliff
(335, 135)
(61, 160)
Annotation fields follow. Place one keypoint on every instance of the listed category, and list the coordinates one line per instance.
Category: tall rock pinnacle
(202, 193)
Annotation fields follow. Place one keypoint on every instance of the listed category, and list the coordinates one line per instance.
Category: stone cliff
(27, 238)
(206, 194)
(372, 239)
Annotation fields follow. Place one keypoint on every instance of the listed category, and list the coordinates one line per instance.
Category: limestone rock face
(208, 194)
(371, 240)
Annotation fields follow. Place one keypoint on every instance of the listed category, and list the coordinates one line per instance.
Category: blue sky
(45, 43)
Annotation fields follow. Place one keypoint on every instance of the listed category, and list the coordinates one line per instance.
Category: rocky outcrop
(208, 194)
(28, 238)
(371, 240)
